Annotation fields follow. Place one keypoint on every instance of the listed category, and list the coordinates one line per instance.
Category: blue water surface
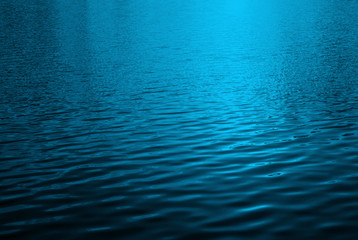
(153, 119)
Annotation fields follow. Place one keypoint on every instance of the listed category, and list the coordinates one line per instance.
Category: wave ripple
(178, 120)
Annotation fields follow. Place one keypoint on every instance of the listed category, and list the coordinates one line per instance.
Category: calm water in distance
(153, 119)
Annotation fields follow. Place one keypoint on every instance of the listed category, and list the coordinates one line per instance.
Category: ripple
(178, 120)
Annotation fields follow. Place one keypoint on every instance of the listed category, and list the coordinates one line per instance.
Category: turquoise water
(177, 119)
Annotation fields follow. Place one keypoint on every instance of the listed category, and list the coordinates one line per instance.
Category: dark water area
(178, 119)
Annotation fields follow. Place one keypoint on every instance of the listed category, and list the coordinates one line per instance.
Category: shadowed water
(178, 119)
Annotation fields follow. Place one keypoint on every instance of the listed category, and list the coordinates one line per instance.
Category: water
(179, 119)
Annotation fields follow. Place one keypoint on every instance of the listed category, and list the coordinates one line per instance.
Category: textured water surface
(178, 119)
